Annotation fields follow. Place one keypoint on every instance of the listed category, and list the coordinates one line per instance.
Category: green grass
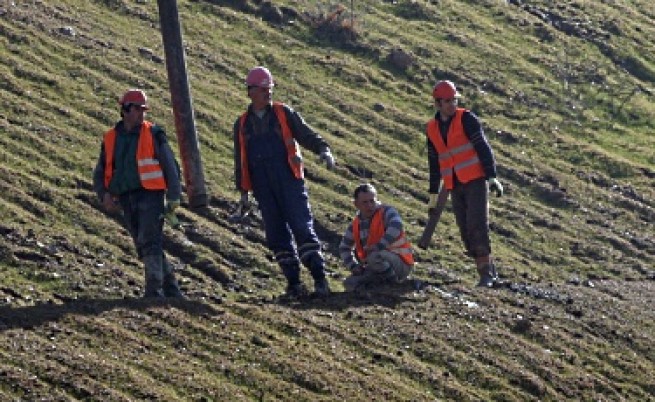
(566, 96)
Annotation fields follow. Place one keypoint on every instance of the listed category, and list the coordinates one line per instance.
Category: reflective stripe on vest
(150, 172)
(400, 246)
(459, 156)
(293, 150)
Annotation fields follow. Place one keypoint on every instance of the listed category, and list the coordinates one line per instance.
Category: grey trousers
(471, 207)
(380, 267)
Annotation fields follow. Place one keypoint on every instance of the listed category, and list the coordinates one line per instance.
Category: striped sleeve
(433, 168)
(475, 133)
(393, 225)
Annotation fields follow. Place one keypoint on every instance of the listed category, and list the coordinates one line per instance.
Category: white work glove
(494, 185)
(326, 156)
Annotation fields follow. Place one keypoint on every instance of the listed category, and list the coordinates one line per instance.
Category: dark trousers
(284, 204)
(471, 207)
(142, 211)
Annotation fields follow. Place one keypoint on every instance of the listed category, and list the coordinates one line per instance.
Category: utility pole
(185, 126)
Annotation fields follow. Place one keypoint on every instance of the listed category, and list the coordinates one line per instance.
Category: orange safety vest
(459, 156)
(150, 173)
(400, 246)
(293, 150)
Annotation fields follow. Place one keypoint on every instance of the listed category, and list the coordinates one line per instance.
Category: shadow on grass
(384, 295)
(33, 316)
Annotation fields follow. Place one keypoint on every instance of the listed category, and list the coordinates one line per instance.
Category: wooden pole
(185, 126)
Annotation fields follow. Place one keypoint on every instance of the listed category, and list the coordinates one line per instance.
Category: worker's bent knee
(351, 283)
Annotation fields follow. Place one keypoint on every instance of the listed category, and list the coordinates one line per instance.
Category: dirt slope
(565, 92)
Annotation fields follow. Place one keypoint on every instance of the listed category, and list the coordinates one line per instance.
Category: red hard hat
(134, 97)
(260, 77)
(445, 90)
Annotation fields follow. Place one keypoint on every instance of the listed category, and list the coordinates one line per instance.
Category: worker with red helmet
(268, 163)
(137, 172)
(461, 159)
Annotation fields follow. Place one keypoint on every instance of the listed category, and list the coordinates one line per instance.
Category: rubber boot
(154, 276)
(322, 287)
(170, 286)
(487, 273)
(295, 288)
(316, 266)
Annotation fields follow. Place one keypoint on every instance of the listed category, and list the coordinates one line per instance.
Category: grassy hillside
(566, 92)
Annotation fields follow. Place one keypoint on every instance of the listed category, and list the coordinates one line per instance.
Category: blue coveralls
(284, 204)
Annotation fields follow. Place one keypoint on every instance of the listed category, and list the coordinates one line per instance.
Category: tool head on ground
(445, 90)
(237, 217)
(260, 77)
(243, 210)
(134, 97)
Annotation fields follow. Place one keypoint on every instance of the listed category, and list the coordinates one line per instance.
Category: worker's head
(366, 200)
(133, 104)
(445, 97)
(260, 87)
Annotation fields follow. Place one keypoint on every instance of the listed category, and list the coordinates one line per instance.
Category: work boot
(291, 272)
(154, 276)
(316, 265)
(170, 285)
(322, 288)
(296, 290)
(487, 274)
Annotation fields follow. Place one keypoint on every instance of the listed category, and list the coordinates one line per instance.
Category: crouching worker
(382, 253)
(136, 171)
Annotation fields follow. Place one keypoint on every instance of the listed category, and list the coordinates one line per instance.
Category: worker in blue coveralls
(267, 162)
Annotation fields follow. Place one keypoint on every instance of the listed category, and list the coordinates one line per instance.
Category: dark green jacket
(126, 176)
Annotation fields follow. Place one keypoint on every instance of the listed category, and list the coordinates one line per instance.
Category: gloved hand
(494, 185)
(109, 203)
(327, 157)
(169, 213)
(171, 206)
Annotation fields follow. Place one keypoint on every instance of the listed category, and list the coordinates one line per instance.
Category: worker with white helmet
(268, 163)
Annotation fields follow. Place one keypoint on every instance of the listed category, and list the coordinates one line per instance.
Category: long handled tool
(433, 218)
